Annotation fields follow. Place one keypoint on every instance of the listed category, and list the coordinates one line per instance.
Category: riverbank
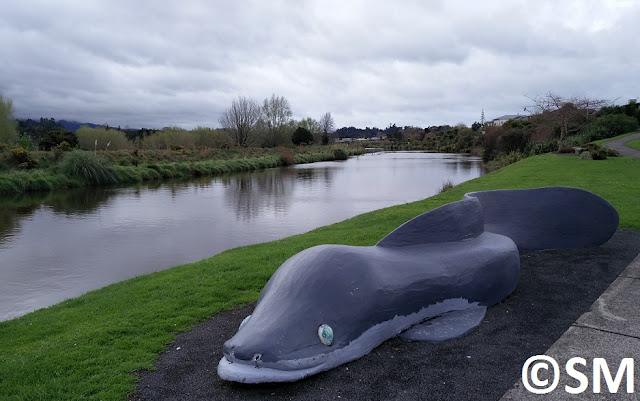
(90, 346)
(60, 170)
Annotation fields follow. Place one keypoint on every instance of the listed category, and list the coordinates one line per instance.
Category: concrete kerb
(609, 330)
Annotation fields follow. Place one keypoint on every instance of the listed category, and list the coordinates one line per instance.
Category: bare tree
(567, 115)
(328, 126)
(239, 121)
(276, 114)
(327, 123)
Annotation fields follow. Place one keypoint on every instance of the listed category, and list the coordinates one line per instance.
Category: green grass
(88, 347)
(87, 167)
(635, 144)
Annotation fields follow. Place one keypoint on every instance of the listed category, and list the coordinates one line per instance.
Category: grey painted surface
(446, 260)
(446, 326)
(550, 217)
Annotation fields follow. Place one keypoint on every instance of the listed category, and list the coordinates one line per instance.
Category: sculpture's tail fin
(551, 217)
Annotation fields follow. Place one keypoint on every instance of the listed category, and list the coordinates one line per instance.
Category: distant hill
(74, 125)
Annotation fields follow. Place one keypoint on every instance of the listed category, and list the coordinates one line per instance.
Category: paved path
(619, 145)
(609, 330)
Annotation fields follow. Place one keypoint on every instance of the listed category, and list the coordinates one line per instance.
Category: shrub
(543, 147)
(590, 134)
(598, 152)
(586, 155)
(168, 138)
(340, 154)
(287, 156)
(87, 167)
(510, 158)
(566, 149)
(8, 186)
(26, 143)
(55, 137)
(447, 185)
(117, 140)
(503, 160)
(301, 136)
(210, 138)
(37, 182)
(613, 153)
(615, 124)
(23, 158)
(63, 146)
(59, 150)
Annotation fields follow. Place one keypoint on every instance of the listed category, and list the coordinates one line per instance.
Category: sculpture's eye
(244, 321)
(325, 332)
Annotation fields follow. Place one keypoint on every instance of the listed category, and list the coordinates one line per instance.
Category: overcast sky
(156, 63)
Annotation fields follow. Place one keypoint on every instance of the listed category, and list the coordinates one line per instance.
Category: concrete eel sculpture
(431, 279)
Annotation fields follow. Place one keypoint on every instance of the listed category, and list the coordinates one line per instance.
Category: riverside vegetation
(91, 346)
(268, 137)
(44, 155)
(24, 171)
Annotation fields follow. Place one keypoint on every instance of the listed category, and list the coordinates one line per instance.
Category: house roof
(510, 117)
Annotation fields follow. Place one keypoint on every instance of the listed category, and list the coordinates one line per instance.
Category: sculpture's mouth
(247, 370)
(232, 369)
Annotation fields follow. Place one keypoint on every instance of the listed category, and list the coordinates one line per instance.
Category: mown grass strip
(88, 347)
(634, 144)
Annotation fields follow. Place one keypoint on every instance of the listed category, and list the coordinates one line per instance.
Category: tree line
(244, 123)
(555, 123)
(271, 124)
(559, 123)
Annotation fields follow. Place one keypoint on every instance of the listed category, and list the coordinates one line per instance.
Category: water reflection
(253, 195)
(59, 245)
(69, 203)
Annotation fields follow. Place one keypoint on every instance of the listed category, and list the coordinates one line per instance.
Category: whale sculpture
(431, 279)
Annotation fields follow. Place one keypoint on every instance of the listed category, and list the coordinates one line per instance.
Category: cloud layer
(370, 63)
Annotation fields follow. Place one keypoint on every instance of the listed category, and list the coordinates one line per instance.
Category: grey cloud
(157, 63)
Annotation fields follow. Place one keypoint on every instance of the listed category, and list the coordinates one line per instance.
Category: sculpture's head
(316, 304)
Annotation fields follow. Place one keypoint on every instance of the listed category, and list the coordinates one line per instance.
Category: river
(60, 245)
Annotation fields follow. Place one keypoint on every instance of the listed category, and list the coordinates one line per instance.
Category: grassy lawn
(88, 347)
(635, 144)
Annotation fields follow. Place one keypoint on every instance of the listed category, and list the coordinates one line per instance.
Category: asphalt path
(554, 289)
(619, 145)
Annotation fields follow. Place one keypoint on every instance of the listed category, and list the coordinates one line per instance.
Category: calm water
(61, 245)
